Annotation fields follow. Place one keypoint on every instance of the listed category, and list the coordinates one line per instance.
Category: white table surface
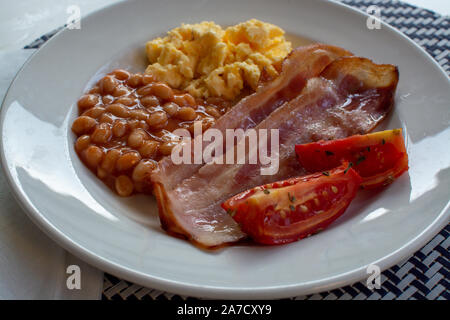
(31, 265)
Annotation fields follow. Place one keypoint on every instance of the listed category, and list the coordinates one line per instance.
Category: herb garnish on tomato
(378, 157)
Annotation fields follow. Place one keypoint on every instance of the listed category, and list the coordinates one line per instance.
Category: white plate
(123, 237)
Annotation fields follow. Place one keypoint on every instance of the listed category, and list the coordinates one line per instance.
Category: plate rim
(217, 292)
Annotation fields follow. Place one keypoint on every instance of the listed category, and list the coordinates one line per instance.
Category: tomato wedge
(378, 157)
(292, 209)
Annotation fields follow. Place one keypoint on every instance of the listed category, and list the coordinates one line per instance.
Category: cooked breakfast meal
(322, 100)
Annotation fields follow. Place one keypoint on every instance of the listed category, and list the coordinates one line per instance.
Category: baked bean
(148, 78)
(126, 101)
(171, 108)
(133, 124)
(136, 138)
(106, 117)
(107, 99)
(190, 99)
(135, 80)
(121, 74)
(102, 133)
(139, 114)
(149, 148)
(93, 156)
(87, 101)
(83, 124)
(213, 112)
(186, 114)
(143, 125)
(179, 100)
(127, 161)
(166, 148)
(107, 84)
(120, 91)
(82, 143)
(145, 90)
(162, 91)
(150, 101)
(95, 90)
(184, 100)
(119, 128)
(109, 162)
(101, 173)
(143, 170)
(119, 110)
(94, 112)
(157, 119)
(124, 186)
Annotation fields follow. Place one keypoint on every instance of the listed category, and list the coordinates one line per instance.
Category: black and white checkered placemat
(423, 276)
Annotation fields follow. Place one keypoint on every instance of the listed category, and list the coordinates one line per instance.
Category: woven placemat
(423, 276)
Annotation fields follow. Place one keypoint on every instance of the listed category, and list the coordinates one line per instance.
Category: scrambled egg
(206, 60)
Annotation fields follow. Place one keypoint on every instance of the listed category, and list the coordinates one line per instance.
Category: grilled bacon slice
(351, 96)
(302, 64)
